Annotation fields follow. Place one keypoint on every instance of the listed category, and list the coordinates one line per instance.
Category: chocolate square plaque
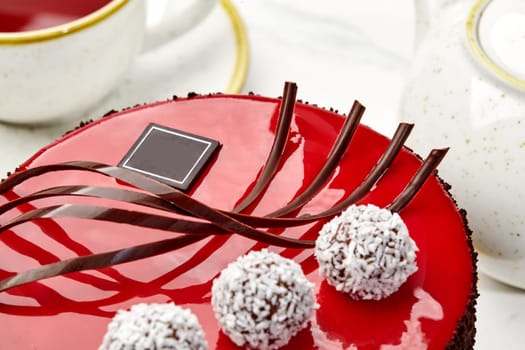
(172, 156)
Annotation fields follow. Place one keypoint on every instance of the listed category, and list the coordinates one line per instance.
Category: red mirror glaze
(26, 15)
(73, 312)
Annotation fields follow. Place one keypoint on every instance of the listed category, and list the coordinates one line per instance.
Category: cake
(87, 230)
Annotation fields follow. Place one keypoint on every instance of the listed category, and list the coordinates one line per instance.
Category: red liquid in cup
(27, 15)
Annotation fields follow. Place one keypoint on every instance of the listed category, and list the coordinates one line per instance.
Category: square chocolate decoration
(172, 156)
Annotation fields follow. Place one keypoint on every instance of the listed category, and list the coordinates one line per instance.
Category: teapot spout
(425, 13)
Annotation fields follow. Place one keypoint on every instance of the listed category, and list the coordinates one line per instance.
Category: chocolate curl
(420, 177)
(98, 261)
(23, 175)
(334, 158)
(118, 194)
(144, 200)
(279, 142)
(114, 215)
(149, 220)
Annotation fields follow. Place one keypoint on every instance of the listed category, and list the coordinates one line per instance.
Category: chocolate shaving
(142, 199)
(334, 158)
(170, 224)
(283, 128)
(130, 197)
(145, 200)
(420, 177)
(98, 261)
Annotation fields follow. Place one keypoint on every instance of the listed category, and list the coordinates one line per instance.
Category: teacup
(60, 58)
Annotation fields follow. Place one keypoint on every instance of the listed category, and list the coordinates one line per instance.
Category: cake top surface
(426, 309)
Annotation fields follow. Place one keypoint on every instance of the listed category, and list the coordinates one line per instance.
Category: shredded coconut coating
(154, 327)
(262, 300)
(366, 252)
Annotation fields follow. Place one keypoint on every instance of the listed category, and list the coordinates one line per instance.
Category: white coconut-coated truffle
(154, 327)
(262, 300)
(366, 252)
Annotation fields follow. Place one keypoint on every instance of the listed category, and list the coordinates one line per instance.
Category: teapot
(466, 90)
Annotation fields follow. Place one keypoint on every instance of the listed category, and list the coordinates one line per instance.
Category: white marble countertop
(336, 51)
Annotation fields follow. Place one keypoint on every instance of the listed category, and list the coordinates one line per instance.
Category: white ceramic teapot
(467, 91)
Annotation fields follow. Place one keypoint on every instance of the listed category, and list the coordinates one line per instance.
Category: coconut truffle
(154, 327)
(366, 252)
(262, 300)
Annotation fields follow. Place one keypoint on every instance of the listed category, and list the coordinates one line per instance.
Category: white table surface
(336, 51)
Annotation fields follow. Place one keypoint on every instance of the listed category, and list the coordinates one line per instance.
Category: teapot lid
(496, 33)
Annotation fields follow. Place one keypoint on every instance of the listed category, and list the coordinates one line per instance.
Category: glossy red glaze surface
(72, 312)
(26, 15)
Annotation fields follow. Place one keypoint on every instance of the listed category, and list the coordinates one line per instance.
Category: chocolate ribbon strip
(425, 170)
(98, 261)
(285, 119)
(221, 224)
